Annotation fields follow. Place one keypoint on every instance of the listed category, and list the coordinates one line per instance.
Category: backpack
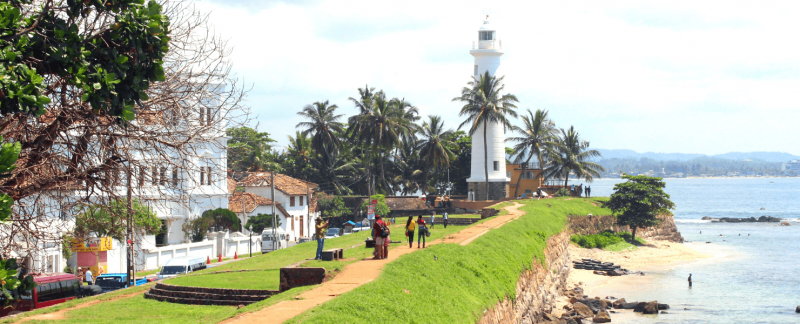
(384, 231)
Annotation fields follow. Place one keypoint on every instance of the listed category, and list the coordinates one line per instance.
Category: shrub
(563, 192)
(602, 240)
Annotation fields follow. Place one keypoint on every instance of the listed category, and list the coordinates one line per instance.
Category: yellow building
(531, 179)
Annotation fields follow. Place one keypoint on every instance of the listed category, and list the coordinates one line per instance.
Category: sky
(704, 77)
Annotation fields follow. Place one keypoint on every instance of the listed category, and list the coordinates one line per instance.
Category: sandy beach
(655, 255)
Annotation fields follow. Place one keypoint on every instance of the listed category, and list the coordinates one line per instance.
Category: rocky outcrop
(589, 224)
(762, 219)
(537, 288)
(601, 317)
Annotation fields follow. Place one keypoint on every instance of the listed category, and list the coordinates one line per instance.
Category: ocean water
(755, 277)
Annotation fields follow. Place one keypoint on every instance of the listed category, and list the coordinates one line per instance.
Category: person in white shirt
(433, 217)
(89, 277)
(445, 219)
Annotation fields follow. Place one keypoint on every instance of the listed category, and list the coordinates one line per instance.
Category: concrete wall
(537, 288)
(497, 190)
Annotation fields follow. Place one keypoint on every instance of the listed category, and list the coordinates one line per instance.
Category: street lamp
(251, 239)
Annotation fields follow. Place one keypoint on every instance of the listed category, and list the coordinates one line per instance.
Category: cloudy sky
(684, 76)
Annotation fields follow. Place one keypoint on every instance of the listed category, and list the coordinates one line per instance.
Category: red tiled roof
(231, 186)
(251, 201)
(284, 183)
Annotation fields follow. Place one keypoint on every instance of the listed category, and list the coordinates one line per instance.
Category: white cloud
(686, 76)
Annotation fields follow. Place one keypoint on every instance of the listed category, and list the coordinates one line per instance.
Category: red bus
(51, 289)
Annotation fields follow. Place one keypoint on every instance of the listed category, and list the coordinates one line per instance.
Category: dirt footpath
(359, 273)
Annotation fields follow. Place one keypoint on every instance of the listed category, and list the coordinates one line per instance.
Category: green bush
(563, 192)
(602, 240)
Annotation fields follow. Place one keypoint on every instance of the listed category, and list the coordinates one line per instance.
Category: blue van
(113, 281)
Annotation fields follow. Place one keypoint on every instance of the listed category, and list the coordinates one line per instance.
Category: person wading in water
(690, 280)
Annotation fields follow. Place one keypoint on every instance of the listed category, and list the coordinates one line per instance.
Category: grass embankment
(608, 240)
(137, 309)
(462, 281)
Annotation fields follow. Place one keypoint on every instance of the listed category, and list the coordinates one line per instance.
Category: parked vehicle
(113, 281)
(51, 289)
(284, 239)
(181, 265)
(332, 232)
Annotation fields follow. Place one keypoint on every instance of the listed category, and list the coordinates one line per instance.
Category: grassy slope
(465, 281)
(261, 280)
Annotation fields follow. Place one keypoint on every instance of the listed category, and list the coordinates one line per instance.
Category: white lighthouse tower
(487, 51)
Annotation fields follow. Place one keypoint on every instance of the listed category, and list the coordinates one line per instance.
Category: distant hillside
(736, 156)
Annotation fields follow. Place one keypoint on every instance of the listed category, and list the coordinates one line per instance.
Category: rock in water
(785, 224)
(663, 306)
(583, 310)
(651, 308)
(797, 310)
(618, 303)
(639, 307)
(601, 317)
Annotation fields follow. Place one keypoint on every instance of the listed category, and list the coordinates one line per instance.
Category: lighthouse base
(497, 190)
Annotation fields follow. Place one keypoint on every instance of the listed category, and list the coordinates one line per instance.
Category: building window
(175, 176)
(205, 176)
(476, 70)
(496, 165)
(291, 201)
(154, 175)
(142, 175)
(162, 176)
(301, 200)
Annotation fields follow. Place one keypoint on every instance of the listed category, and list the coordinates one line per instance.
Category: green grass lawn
(260, 280)
(463, 281)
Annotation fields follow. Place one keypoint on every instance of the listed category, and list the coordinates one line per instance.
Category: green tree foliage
(434, 147)
(638, 201)
(323, 125)
(113, 65)
(380, 209)
(537, 136)
(262, 221)
(331, 206)
(11, 279)
(571, 154)
(223, 218)
(249, 150)
(484, 103)
(9, 152)
(111, 220)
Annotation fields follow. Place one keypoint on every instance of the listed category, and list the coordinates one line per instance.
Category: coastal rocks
(797, 310)
(762, 219)
(651, 308)
(618, 303)
(785, 224)
(600, 267)
(582, 310)
(601, 317)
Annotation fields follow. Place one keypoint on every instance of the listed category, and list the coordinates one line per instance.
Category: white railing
(488, 44)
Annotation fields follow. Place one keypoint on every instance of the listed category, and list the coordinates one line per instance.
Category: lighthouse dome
(487, 25)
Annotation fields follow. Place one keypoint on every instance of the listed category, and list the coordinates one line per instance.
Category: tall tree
(323, 125)
(104, 220)
(356, 129)
(299, 155)
(571, 154)
(434, 147)
(484, 103)
(335, 169)
(408, 168)
(536, 136)
(638, 201)
(248, 149)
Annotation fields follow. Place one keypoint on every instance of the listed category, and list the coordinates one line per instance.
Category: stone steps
(206, 296)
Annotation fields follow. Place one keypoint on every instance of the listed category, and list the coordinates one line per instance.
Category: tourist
(433, 218)
(690, 280)
(421, 232)
(81, 275)
(410, 227)
(588, 191)
(386, 242)
(377, 229)
(445, 219)
(539, 193)
(89, 277)
(392, 221)
(320, 236)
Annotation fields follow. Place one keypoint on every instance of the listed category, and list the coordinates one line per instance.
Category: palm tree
(571, 154)
(484, 103)
(433, 148)
(335, 170)
(300, 151)
(407, 165)
(537, 136)
(323, 124)
(356, 129)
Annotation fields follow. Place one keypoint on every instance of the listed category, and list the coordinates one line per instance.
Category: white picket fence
(220, 243)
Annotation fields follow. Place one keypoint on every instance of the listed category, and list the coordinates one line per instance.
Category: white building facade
(487, 51)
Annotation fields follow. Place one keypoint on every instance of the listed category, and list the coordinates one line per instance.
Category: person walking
(433, 218)
(410, 227)
(690, 280)
(89, 277)
(421, 232)
(445, 219)
(539, 193)
(586, 192)
(377, 228)
(320, 236)
(590, 191)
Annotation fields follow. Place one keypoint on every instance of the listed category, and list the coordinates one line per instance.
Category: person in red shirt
(422, 230)
(379, 241)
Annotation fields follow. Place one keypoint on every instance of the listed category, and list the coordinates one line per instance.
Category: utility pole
(308, 209)
(274, 216)
(131, 260)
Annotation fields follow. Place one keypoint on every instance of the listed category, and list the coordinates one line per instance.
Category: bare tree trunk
(485, 160)
(633, 232)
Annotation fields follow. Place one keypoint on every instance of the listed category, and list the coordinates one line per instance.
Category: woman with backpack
(380, 240)
(422, 231)
(410, 227)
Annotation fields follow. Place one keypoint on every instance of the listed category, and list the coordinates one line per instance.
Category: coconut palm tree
(382, 127)
(484, 103)
(323, 124)
(433, 147)
(356, 129)
(571, 154)
(537, 136)
(335, 170)
(407, 166)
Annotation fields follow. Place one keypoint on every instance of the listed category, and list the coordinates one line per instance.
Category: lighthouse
(487, 51)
